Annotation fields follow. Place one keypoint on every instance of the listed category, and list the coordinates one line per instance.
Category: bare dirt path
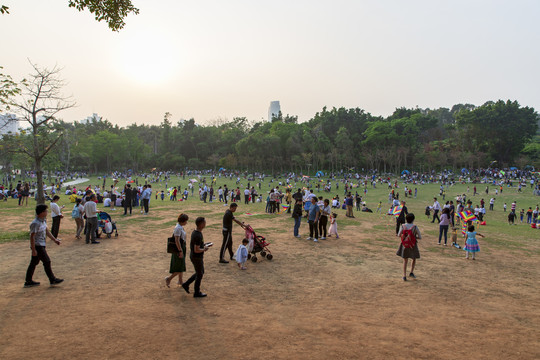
(341, 299)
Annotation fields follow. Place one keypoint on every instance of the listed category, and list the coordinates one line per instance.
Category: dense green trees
(334, 139)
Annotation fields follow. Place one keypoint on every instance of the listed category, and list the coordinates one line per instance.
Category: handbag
(171, 245)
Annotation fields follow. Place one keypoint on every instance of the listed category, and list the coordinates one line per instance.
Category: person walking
(90, 210)
(56, 213)
(227, 245)
(178, 260)
(77, 215)
(196, 255)
(436, 208)
(444, 223)
(38, 235)
(297, 216)
(407, 252)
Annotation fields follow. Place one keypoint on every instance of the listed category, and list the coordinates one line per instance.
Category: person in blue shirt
(313, 220)
(145, 196)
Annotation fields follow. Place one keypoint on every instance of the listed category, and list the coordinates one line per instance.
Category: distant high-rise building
(273, 110)
(8, 124)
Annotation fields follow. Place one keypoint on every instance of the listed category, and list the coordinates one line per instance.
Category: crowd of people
(317, 211)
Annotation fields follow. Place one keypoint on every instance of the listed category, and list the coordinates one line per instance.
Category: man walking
(38, 235)
(228, 219)
(436, 209)
(197, 250)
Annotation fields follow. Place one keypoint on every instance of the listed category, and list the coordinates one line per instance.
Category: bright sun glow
(149, 57)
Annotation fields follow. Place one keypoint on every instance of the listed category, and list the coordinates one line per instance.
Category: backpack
(408, 237)
(75, 213)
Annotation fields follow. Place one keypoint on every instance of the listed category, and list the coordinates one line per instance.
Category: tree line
(334, 139)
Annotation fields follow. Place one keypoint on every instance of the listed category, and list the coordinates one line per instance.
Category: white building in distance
(90, 119)
(273, 110)
(9, 124)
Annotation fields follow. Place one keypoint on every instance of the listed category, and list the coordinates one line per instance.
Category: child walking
(333, 226)
(409, 252)
(242, 254)
(471, 246)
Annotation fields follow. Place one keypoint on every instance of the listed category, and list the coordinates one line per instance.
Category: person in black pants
(128, 199)
(38, 235)
(198, 248)
(228, 218)
(400, 220)
(323, 219)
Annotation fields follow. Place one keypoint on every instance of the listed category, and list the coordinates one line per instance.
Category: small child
(511, 217)
(521, 215)
(242, 254)
(379, 207)
(504, 207)
(471, 245)
(333, 226)
(454, 238)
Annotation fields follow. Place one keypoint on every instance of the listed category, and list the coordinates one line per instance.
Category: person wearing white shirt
(247, 193)
(323, 220)
(436, 208)
(90, 210)
(56, 214)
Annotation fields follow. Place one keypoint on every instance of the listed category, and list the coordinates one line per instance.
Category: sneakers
(95, 242)
(323, 238)
(412, 275)
(32, 283)
(56, 281)
(315, 240)
(199, 295)
(223, 261)
(297, 236)
(309, 238)
(404, 278)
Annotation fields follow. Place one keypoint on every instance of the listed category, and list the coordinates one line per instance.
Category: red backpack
(408, 237)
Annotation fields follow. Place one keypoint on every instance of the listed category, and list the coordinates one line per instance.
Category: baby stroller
(106, 225)
(257, 244)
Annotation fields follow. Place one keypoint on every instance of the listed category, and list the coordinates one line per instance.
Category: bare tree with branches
(39, 102)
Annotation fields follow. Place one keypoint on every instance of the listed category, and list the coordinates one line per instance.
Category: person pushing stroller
(228, 219)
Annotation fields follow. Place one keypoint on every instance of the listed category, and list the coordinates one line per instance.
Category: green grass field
(498, 233)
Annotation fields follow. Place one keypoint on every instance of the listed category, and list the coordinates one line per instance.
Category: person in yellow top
(289, 200)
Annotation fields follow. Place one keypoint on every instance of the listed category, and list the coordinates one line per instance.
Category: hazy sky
(221, 59)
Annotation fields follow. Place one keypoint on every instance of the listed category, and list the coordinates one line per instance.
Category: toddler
(471, 245)
(242, 254)
(454, 238)
(333, 226)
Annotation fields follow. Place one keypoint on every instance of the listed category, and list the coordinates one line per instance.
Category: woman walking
(178, 260)
(443, 225)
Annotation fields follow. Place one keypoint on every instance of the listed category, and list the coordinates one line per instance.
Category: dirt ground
(340, 299)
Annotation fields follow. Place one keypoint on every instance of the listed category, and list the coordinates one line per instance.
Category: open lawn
(342, 299)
